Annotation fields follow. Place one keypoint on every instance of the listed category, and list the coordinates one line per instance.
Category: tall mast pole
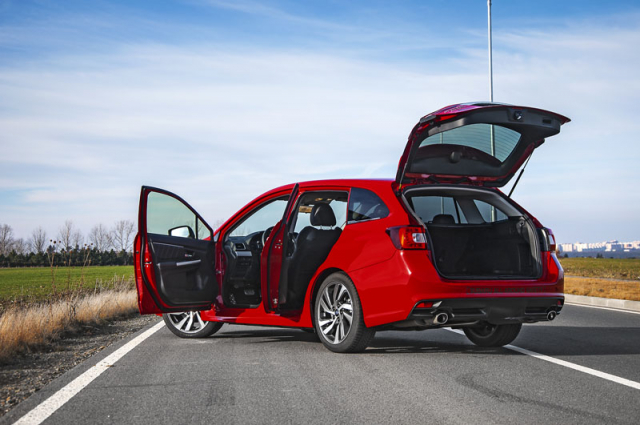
(493, 136)
(490, 54)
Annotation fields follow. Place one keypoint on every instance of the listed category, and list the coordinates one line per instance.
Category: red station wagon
(438, 246)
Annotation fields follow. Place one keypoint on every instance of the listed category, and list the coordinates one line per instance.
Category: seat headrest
(322, 215)
(443, 219)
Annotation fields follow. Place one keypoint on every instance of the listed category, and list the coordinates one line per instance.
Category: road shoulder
(612, 303)
(31, 377)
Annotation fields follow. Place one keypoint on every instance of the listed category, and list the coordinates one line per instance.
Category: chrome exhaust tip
(441, 318)
(551, 315)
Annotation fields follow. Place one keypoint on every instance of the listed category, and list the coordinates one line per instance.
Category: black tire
(337, 296)
(490, 335)
(198, 328)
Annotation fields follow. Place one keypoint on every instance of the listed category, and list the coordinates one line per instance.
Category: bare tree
(6, 239)
(65, 235)
(69, 236)
(20, 246)
(77, 239)
(38, 240)
(122, 234)
(100, 237)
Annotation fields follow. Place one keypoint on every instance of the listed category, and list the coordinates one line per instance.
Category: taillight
(408, 237)
(552, 240)
(548, 240)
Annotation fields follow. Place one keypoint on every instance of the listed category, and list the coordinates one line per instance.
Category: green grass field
(612, 268)
(36, 283)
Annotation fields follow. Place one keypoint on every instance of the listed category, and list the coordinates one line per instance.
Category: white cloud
(220, 125)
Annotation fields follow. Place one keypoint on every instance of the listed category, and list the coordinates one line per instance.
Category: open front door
(174, 255)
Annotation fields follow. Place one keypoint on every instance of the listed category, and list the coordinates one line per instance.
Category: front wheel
(189, 324)
(489, 335)
(338, 316)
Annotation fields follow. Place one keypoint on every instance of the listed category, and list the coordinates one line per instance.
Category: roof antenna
(520, 175)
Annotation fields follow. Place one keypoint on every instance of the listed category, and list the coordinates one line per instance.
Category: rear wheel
(189, 324)
(489, 335)
(339, 320)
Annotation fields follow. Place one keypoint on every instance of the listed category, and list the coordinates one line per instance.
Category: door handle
(188, 263)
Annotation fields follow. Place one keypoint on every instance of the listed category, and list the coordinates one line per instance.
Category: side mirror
(182, 232)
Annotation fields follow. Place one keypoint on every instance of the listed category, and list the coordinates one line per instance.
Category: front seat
(312, 248)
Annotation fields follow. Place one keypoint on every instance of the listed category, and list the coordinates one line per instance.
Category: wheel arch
(316, 285)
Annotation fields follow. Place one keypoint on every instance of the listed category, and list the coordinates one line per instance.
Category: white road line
(602, 308)
(45, 409)
(588, 370)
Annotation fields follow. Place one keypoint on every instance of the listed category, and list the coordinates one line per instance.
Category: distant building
(608, 246)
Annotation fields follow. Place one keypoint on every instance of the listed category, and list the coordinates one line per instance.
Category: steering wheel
(255, 243)
(265, 234)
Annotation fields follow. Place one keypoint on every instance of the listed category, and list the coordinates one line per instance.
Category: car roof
(364, 183)
(371, 184)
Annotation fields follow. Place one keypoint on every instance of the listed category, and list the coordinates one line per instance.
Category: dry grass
(594, 287)
(613, 268)
(30, 327)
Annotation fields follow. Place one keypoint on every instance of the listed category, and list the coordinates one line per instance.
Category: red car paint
(390, 282)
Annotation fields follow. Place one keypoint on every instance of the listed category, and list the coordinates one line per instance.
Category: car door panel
(173, 273)
(272, 262)
(181, 270)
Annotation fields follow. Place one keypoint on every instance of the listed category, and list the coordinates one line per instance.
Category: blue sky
(221, 100)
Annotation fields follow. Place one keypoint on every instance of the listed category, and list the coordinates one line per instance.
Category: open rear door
(272, 255)
(174, 255)
(482, 143)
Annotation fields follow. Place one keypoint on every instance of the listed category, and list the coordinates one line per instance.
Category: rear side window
(365, 205)
(487, 214)
(427, 207)
(452, 210)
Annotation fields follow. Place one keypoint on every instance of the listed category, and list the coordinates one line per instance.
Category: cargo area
(476, 233)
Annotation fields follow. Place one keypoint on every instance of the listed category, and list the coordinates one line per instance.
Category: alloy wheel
(335, 313)
(188, 322)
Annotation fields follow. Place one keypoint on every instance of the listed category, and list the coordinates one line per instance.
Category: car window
(336, 200)
(485, 211)
(365, 205)
(260, 219)
(492, 139)
(461, 211)
(165, 213)
(427, 207)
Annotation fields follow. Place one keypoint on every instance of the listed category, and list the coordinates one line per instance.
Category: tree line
(102, 246)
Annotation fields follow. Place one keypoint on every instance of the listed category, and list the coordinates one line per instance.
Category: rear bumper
(389, 292)
(493, 310)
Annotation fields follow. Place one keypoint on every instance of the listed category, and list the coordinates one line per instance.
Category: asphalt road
(267, 375)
